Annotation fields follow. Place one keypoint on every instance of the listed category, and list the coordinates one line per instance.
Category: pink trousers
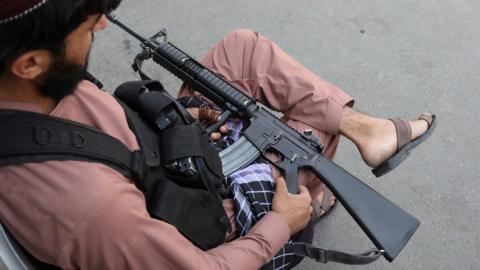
(265, 72)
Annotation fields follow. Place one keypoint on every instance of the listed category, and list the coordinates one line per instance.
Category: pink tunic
(86, 215)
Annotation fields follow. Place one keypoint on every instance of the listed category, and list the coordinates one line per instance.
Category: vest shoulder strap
(32, 137)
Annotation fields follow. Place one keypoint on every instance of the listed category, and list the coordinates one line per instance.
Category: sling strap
(28, 137)
(45, 138)
(324, 255)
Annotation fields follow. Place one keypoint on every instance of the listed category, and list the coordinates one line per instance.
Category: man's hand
(215, 135)
(295, 209)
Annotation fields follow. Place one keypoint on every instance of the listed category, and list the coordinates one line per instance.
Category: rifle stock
(388, 226)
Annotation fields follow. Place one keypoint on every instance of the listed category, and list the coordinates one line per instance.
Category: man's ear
(31, 64)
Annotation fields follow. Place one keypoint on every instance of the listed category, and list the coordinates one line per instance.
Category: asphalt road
(398, 59)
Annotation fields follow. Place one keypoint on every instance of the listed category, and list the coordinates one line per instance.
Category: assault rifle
(388, 226)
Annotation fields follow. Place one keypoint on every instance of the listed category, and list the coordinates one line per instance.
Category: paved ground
(397, 58)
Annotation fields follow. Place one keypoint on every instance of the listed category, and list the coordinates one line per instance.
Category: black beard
(62, 78)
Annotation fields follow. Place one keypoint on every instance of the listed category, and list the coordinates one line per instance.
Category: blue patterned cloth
(253, 188)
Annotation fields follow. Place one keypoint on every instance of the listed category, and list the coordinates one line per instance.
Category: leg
(375, 138)
(264, 71)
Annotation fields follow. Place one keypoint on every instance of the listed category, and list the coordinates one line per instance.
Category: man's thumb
(303, 190)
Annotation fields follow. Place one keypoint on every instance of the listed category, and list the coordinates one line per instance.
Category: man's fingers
(193, 112)
(218, 135)
(296, 209)
(224, 129)
(215, 136)
(281, 186)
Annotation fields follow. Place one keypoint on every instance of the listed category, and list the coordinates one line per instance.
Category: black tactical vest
(177, 169)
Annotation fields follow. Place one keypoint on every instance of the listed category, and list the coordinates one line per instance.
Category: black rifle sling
(324, 255)
(32, 137)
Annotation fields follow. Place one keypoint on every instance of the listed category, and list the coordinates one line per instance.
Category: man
(77, 214)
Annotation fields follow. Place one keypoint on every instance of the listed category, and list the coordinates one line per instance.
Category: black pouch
(191, 203)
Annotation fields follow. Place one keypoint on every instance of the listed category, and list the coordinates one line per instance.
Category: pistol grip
(291, 177)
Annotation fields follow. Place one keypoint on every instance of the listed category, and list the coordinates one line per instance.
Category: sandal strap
(404, 132)
(321, 209)
(327, 193)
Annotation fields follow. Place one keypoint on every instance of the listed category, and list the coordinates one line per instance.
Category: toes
(333, 200)
(320, 198)
(418, 127)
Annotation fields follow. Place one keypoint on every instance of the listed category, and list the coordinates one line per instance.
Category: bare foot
(375, 138)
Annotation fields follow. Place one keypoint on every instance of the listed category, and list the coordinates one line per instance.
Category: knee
(242, 36)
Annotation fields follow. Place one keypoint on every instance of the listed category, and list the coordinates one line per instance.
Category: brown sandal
(320, 211)
(404, 142)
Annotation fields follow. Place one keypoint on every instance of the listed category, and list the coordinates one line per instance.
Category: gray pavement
(397, 58)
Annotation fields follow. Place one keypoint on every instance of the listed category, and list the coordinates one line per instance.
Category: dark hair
(47, 27)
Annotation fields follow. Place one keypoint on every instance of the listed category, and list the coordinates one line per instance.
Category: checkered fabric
(253, 188)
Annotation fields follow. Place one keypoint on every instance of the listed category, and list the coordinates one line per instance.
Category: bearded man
(78, 214)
